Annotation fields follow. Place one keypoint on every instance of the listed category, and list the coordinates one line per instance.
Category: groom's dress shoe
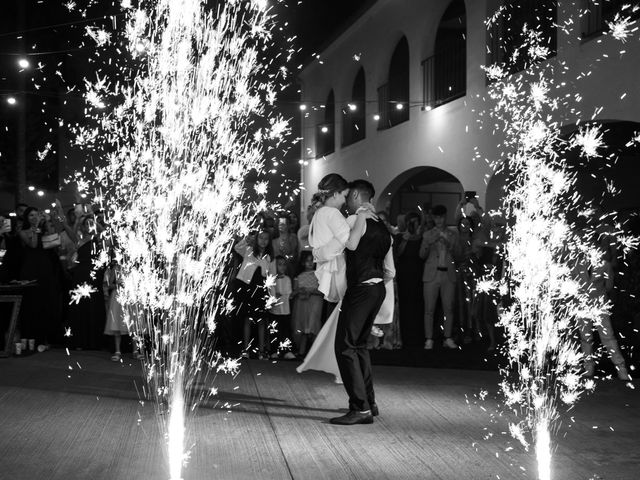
(353, 418)
(374, 410)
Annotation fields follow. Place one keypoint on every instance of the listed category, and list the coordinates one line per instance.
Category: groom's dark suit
(363, 298)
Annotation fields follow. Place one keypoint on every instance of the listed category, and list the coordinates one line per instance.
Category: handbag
(50, 241)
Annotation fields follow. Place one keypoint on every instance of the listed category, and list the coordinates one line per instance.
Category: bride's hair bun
(330, 184)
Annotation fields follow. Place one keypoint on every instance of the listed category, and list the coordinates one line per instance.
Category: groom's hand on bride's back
(368, 211)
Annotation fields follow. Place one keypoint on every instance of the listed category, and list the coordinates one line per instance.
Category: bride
(329, 234)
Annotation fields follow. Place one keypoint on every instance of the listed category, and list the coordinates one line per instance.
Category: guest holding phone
(40, 316)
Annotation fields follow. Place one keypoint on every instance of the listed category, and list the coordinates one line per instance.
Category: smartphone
(6, 226)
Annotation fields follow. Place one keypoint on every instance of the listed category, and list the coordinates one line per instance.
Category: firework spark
(623, 26)
(544, 252)
(185, 126)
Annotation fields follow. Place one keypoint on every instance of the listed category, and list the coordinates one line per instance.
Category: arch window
(353, 113)
(445, 72)
(325, 131)
(507, 38)
(598, 14)
(393, 97)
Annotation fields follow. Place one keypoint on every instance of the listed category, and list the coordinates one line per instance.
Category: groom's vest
(367, 261)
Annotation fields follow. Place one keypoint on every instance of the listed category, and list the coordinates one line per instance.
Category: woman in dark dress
(409, 275)
(87, 317)
(42, 304)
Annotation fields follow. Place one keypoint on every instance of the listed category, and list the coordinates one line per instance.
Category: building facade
(398, 97)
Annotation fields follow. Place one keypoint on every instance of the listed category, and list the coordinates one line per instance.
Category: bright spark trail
(191, 119)
(544, 297)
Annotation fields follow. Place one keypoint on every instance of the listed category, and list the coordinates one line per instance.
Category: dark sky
(48, 26)
(315, 21)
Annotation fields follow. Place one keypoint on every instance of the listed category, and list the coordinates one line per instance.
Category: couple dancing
(353, 262)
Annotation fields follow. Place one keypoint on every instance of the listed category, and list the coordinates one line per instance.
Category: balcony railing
(445, 76)
(353, 123)
(383, 107)
(325, 139)
(392, 111)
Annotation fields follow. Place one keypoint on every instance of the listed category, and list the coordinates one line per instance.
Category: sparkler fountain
(544, 299)
(191, 121)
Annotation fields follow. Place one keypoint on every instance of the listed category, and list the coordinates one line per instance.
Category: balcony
(444, 76)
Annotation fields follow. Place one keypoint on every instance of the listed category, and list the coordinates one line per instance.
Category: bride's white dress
(322, 355)
(329, 231)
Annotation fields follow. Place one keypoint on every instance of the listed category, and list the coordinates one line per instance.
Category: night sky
(53, 82)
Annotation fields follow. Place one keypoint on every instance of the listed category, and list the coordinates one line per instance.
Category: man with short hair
(368, 264)
(439, 276)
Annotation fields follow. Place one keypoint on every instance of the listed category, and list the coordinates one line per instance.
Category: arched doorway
(419, 189)
(610, 180)
(617, 166)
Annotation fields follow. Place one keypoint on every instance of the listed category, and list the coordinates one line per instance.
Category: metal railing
(384, 121)
(445, 76)
(325, 139)
(353, 123)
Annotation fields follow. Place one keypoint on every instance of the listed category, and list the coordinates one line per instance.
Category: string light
(23, 63)
(11, 100)
(352, 107)
(303, 107)
(376, 117)
(31, 188)
(40, 193)
(325, 129)
(399, 106)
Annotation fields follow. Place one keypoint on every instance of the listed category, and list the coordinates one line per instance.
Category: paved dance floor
(80, 417)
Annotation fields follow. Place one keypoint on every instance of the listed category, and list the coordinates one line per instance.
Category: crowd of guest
(278, 307)
(47, 254)
(435, 296)
(437, 268)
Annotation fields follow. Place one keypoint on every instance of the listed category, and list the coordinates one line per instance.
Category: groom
(366, 268)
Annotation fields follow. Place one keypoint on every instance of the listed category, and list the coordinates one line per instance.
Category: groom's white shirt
(335, 248)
